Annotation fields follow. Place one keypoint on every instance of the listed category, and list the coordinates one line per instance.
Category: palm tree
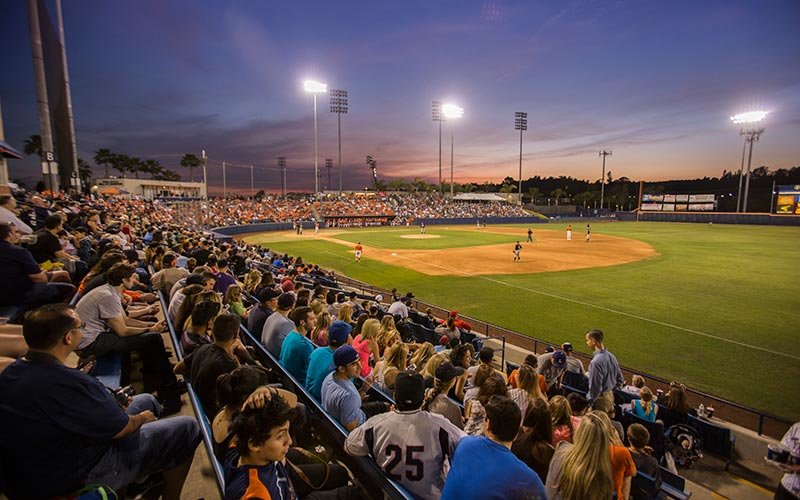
(103, 157)
(85, 172)
(152, 167)
(168, 175)
(534, 192)
(33, 145)
(190, 161)
(133, 165)
(119, 163)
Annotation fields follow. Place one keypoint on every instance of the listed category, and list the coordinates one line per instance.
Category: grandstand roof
(478, 197)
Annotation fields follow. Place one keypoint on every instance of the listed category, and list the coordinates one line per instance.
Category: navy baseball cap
(409, 390)
(559, 359)
(338, 332)
(446, 371)
(344, 355)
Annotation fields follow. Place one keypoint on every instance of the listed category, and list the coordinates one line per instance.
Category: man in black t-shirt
(268, 303)
(210, 361)
(202, 253)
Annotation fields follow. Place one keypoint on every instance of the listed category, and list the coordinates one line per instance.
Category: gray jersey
(413, 448)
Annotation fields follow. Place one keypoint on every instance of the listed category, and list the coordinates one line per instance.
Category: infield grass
(716, 309)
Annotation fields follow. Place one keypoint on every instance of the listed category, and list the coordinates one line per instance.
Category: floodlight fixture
(749, 117)
(452, 111)
(314, 87)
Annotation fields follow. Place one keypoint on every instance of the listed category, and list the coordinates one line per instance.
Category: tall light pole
(329, 166)
(603, 153)
(436, 109)
(521, 124)
(282, 166)
(451, 111)
(373, 165)
(314, 87)
(751, 134)
(338, 106)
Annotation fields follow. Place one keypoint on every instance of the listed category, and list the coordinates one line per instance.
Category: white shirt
(8, 217)
(791, 442)
(398, 308)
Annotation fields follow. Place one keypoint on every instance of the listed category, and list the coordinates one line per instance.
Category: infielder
(530, 236)
(588, 233)
(569, 232)
(421, 228)
(358, 250)
(412, 446)
(517, 252)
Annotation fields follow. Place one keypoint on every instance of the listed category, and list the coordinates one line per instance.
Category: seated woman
(421, 356)
(676, 401)
(534, 443)
(528, 389)
(393, 362)
(561, 415)
(645, 407)
(635, 387)
(474, 409)
(436, 400)
(319, 336)
(233, 299)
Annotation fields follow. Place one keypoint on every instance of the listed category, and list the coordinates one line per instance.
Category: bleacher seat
(575, 382)
(656, 430)
(717, 439)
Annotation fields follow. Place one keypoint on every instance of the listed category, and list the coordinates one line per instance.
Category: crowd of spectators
(456, 427)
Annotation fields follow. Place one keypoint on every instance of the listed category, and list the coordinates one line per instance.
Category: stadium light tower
(751, 134)
(338, 106)
(603, 153)
(521, 124)
(329, 166)
(439, 117)
(282, 166)
(314, 87)
(451, 111)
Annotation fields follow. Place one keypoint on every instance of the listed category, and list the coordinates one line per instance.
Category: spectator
(320, 334)
(645, 407)
(574, 364)
(320, 364)
(346, 313)
(47, 249)
(93, 440)
(641, 453)
(528, 389)
(448, 329)
(108, 329)
(484, 467)
(421, 356)
(553, 365)
(267, 304)
(637, 382)
(366, 345)
(393, 362)
(789, 485)
(169, 274)
(675, 401)
(481, 374)
(296, 348)
(486, 357)
(532, 361)
(561, 413)
(458, 322)
(24, 282)
(202, 252)
(609, 409)
(210, 361)
(399, 307)
(534, 444)
(194, 286)
(224, 279)
(233, 299)
(9, 214)
(604, 372)
(408, 431)
(197, 333)
(475, 409)
(278, 325)
(578, 405)
(583, 470)
(622, 467)
(340, 397)
(436, 399)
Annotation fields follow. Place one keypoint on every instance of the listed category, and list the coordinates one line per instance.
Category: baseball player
(588, 233)
(316, 227)
(517, 252)
(413, 447)
(358, 250)
(569, 232)
(421, 228)
(530, 236)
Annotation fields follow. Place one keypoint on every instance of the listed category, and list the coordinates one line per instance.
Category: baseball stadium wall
(713, 217)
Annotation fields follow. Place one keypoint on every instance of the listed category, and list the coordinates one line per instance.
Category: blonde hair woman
(582, 471)
(429, 370)
(319, 335)
(346, 313)
(393, 362)
(252, 281)
(528, 390)
(388, 334)
(233, 299)
(645, 407)
(561, 413)
(421, 356)
(622, 467)
(366, 344)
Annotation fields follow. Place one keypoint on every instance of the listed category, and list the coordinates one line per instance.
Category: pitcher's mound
(420, 236)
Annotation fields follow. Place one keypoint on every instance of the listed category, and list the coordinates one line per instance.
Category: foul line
(595, 306)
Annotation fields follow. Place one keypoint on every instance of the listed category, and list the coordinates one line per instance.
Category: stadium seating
(656, 430)
(717, 439)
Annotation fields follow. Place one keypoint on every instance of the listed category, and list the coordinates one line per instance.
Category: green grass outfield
(717, 309)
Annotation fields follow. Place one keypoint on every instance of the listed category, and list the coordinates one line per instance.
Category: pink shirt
(361, 346)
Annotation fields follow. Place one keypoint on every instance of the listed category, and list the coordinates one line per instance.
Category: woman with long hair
(233, 299)
(528, 389)
(561, 414)
(645, 407)
(393, 362)
(436, 400)
(319, 336)
(534, 444)
(429, 370)
(388, 334)
(582, 471)
(252, 281)
(182, 319)
(346, 313)
(475, 411)
(676, 400)
(622, 467)
(481, 374)
(103, 264)
(421, 356)
(366, 345)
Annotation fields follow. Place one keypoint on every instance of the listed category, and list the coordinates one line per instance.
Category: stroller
(684, 445)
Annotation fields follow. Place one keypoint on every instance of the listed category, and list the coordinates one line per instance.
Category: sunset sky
(653, 81)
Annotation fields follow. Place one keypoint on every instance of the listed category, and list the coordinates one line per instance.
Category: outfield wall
(489, 220)
(714, 217)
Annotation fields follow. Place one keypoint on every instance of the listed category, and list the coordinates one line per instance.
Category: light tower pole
(751, 134)
(282, 166)
(521, 124)
(439, 117)
(314, 87)
(329, 166)
(338, 106)
(603, 153)
(451, 111)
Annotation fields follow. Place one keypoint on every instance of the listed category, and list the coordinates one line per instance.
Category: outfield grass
(716, 309)
(391, 238)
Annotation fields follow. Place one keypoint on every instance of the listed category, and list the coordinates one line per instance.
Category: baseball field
(715, 307)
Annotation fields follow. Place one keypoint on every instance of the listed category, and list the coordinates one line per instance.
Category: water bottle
(701, 411)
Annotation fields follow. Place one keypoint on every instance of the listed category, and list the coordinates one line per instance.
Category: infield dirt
(549, 252)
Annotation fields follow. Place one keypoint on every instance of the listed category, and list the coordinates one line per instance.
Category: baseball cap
(410, 295)
(444, 340)
(195, 279)
(287, 286)
(566, 347)
(453, 313)
(446, 371)
(338, 332)
(267, 294)
(549, 349)
(559, 359)
(409, 390)
(344, 355)
(285, 301)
